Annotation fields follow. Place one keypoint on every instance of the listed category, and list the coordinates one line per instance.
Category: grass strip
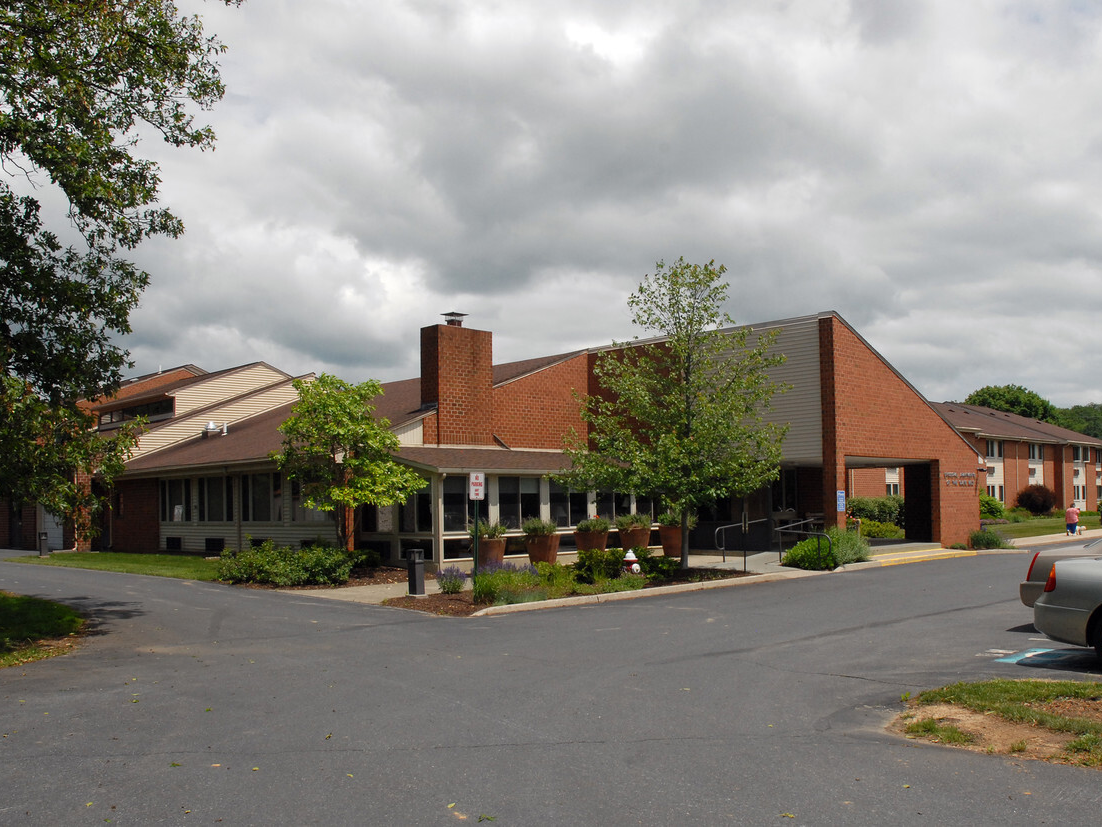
(182, 566)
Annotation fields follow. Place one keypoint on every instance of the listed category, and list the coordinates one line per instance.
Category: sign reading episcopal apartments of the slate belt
(964, 479)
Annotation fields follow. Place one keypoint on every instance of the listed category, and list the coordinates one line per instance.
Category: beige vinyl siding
(226, 386)
(801, 406)
(187, 427)
(411, 433)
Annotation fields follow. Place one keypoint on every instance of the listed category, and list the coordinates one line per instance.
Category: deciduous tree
(341, 455)
(681, 417)
(78, 81)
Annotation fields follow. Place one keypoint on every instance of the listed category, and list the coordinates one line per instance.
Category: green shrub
(986, 538)
(872, 528)
(881, 509)
(815, 554)
(657, 566)
(629, 521)
(486, 529)
(1037, 499)
(556, 580)
(594, 566)
(991, 508)
(497, 581)
(270, 564)
(593, 524)
(451, 579)
(535, 527)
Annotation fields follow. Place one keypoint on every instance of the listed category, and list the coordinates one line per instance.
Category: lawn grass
(1037, 526)
(182, 566)
(24, 621)
(1023, 702)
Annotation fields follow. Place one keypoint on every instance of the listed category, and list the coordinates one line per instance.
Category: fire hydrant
(631, 563)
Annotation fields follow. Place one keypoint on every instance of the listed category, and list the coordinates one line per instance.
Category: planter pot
(591, 540)
(634, 538)
(670, 535)
(542, 549)
(491, 550)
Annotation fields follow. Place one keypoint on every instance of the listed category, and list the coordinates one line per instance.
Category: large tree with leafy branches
(341, 455)
(78, 82)
(1014, 399)
(681, 417)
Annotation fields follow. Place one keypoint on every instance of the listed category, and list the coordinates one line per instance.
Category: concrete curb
(659, 591)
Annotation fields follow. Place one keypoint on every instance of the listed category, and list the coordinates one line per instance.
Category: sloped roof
(991, 424)
(249, 440)
(488, 459)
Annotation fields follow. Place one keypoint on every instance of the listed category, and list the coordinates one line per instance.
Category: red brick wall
(867, 482)
(457, 375)
(537, 410)
(870, 411)
(136, 521)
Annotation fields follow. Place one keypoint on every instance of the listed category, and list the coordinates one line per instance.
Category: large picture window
(175, 501)
(567, 507)
(518, 499)
(261, 498)
(215, 499)
(301, 513)
(416, 515)
(458, 506)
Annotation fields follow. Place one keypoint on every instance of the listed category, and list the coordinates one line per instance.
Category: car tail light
(1032, 563)
(1050, 584)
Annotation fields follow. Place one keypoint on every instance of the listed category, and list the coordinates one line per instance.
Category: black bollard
(415, 560)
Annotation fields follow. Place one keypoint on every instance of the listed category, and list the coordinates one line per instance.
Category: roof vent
(454, 319)
(212, 428)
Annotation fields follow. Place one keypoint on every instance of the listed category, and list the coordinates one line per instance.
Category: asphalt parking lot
(202, 703)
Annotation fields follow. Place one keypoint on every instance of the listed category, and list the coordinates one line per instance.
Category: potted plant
(591, 534)
(669, 531)
(541, 539)
(634, 531)
(491, 542)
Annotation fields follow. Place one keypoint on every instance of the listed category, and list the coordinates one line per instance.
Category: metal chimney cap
(454, 318)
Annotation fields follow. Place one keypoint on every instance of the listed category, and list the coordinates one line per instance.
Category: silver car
(1070, 607)
(1041, 564)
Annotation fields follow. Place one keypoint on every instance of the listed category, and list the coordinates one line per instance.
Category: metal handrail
(719, 537)
(818, 535)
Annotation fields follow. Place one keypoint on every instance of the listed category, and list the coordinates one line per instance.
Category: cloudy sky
(928, 168)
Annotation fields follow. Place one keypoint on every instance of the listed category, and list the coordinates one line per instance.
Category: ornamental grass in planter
(669, 531)
(591, 534)
(541, 539)
(491, 541)
(634, 530)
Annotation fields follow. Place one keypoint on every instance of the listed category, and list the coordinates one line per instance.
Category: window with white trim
(994, 448)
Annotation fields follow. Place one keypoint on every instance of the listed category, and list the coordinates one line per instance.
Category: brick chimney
(457, 377)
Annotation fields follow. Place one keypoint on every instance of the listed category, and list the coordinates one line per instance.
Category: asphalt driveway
(198, 703)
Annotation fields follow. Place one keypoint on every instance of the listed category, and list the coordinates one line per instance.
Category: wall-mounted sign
(960, 479)
(841, 501)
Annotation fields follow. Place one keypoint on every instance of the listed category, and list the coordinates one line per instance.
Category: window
(567, 507)
(261, 498)
(1080, 492)
(302, 513)
(994, 448)
(518, 499)
(893, 489)
(1076, 453)
(215, 499)
(1036, 451)
(416, 514)
(611, 504)
(458, 506)
(175, 501)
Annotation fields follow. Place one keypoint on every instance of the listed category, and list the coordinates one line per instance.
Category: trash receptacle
(415, 560)
(43, 544)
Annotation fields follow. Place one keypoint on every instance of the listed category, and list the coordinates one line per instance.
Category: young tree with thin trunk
(341, 455)
(681, 416)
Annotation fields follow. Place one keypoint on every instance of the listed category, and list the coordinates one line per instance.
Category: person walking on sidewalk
(1071, 519)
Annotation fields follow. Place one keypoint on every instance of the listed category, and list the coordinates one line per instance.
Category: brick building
(202, 478)
(1021, 452)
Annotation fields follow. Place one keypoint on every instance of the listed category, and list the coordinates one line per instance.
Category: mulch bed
(461, 605)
